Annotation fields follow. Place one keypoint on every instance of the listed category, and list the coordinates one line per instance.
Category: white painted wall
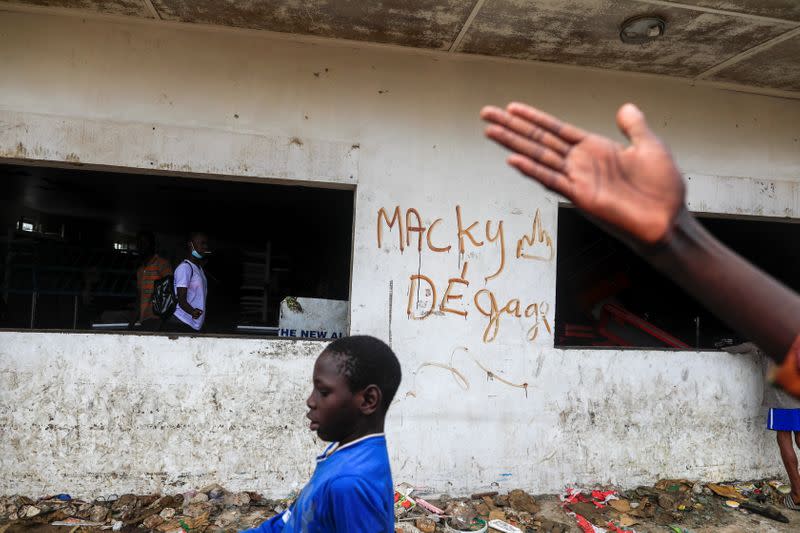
(140, 413)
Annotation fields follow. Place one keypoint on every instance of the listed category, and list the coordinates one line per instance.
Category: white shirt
(193, 278)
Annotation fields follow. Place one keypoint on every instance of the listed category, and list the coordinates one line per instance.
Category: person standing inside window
(152, 268)
(191, 287)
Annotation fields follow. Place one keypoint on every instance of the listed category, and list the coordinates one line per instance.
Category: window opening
(606, 296)
(69, 257)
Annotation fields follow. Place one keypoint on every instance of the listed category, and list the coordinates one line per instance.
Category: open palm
(635, 191)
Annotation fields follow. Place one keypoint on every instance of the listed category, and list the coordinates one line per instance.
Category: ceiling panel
(586, 32)
(777, 67)
(578, 32)
(781, 9)
(419, 23)
(108, 7)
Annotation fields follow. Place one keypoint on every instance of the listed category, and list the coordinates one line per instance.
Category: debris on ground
(670, 505)
(209, 509)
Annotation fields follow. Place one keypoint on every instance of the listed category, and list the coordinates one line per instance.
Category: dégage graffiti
(536, 246)
(485, 302)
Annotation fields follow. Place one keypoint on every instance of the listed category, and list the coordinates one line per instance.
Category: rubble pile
(211, 508)
(516, 509)
(679, 506)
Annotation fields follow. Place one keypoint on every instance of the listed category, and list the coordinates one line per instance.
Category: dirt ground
(727, 521)
(669, 506)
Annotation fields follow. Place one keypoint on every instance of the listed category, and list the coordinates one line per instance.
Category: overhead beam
(460, 37)
(148, 4)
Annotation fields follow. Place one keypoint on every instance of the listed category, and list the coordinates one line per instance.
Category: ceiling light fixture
(642, 29)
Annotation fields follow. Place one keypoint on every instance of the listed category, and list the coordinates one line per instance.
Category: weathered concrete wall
(95, 414)
(404, 125)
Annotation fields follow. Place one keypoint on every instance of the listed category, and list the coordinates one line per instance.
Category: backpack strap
(191, 268)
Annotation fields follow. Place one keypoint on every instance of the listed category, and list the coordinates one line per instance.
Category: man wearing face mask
(191, 287)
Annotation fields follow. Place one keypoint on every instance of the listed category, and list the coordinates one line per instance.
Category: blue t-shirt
(351, 491)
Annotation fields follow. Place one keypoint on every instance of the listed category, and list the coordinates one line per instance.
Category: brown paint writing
(462, 232)
(485, 302)
(447, 296)
(538, 235)
(494, 313)
(453, 301)
(499, 235)
(412, 223)
(419, 229)
(394, 220)
(415, 279)
(431, 246)
(539, 312)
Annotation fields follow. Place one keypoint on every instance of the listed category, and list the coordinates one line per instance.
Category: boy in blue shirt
(351, 490)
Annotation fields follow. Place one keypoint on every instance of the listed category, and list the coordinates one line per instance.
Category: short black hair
(367, 361)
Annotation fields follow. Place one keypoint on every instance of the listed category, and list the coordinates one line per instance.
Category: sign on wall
(313, 318)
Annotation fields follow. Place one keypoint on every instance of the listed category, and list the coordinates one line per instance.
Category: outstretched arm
(637, 193)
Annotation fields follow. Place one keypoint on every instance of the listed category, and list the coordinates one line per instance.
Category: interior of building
(608, 296)
(68, 256)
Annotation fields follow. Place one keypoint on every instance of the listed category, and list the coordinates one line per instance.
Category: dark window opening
(607, 296)
(68, 256)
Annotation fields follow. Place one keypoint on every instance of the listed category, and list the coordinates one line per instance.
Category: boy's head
(355, 380)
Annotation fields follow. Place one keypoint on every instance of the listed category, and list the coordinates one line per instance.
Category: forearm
(182, 301)
(185, 306)
(747, 299)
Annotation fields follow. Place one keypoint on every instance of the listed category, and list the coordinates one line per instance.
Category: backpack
(163, 300)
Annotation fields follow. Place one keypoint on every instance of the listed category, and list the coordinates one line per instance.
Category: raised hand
(635, 191)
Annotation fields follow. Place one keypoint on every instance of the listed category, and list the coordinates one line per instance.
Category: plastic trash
(29, 511)
(464, 517)
(429, 506)
(479, 526)
(503, 526)
(725, 491)
(402, 504)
